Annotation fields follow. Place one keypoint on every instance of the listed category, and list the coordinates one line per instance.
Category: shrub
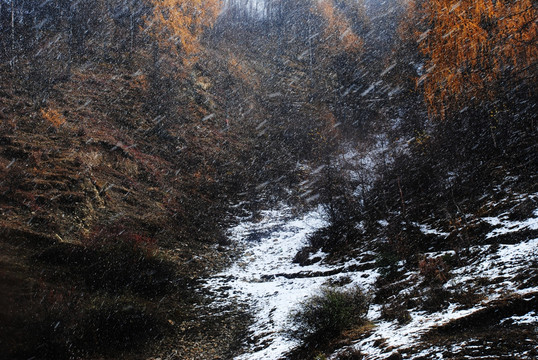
(113, 326)
(121, 267)
(350, 354)
(115, 261)
(396, 312)
(387, 264)
(335, 238)
(434, 270)
(53, 116)
(435, 298)
(118, 235)
(324, 316)
(60, 330)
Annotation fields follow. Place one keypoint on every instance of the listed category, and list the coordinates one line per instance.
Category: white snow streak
(257, 277)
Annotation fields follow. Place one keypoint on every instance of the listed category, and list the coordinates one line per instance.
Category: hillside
(482, 306)
(332, 179)
(101, 216)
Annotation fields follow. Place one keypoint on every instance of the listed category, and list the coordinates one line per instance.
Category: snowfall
(271, 285)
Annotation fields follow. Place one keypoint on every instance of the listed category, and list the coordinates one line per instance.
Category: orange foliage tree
(177, 25)
(469, 44)
(338, 31)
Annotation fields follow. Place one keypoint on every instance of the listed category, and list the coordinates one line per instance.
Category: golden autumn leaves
(338, 32)
(53, 116)
(469, 44)
(177, 25)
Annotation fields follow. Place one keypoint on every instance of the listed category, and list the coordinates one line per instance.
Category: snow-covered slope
(266, 279)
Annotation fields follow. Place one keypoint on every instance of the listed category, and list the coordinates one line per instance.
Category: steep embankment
(108, 213)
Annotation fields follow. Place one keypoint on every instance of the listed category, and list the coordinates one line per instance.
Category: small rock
(395, 356)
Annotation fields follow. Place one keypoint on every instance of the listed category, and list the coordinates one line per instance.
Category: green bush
(324, 316)
(387, 264)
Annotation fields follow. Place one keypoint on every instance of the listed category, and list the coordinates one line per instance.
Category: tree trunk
(12, 61)
(131, 28)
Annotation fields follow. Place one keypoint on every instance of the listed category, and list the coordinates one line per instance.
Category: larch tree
(339, 35)
(13, 42)
(177, 25)
(470, 44)
(341, 50)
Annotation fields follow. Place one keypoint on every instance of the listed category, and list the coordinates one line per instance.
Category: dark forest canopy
(460, 61)
(297, 79)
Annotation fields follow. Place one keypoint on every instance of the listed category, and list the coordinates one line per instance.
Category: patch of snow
(258, 277)
(429, 231)
(271, 285)
(266, 279)
(507, 262)
(383, 223)
(507, 226)
(530, 318)
(404, 336)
